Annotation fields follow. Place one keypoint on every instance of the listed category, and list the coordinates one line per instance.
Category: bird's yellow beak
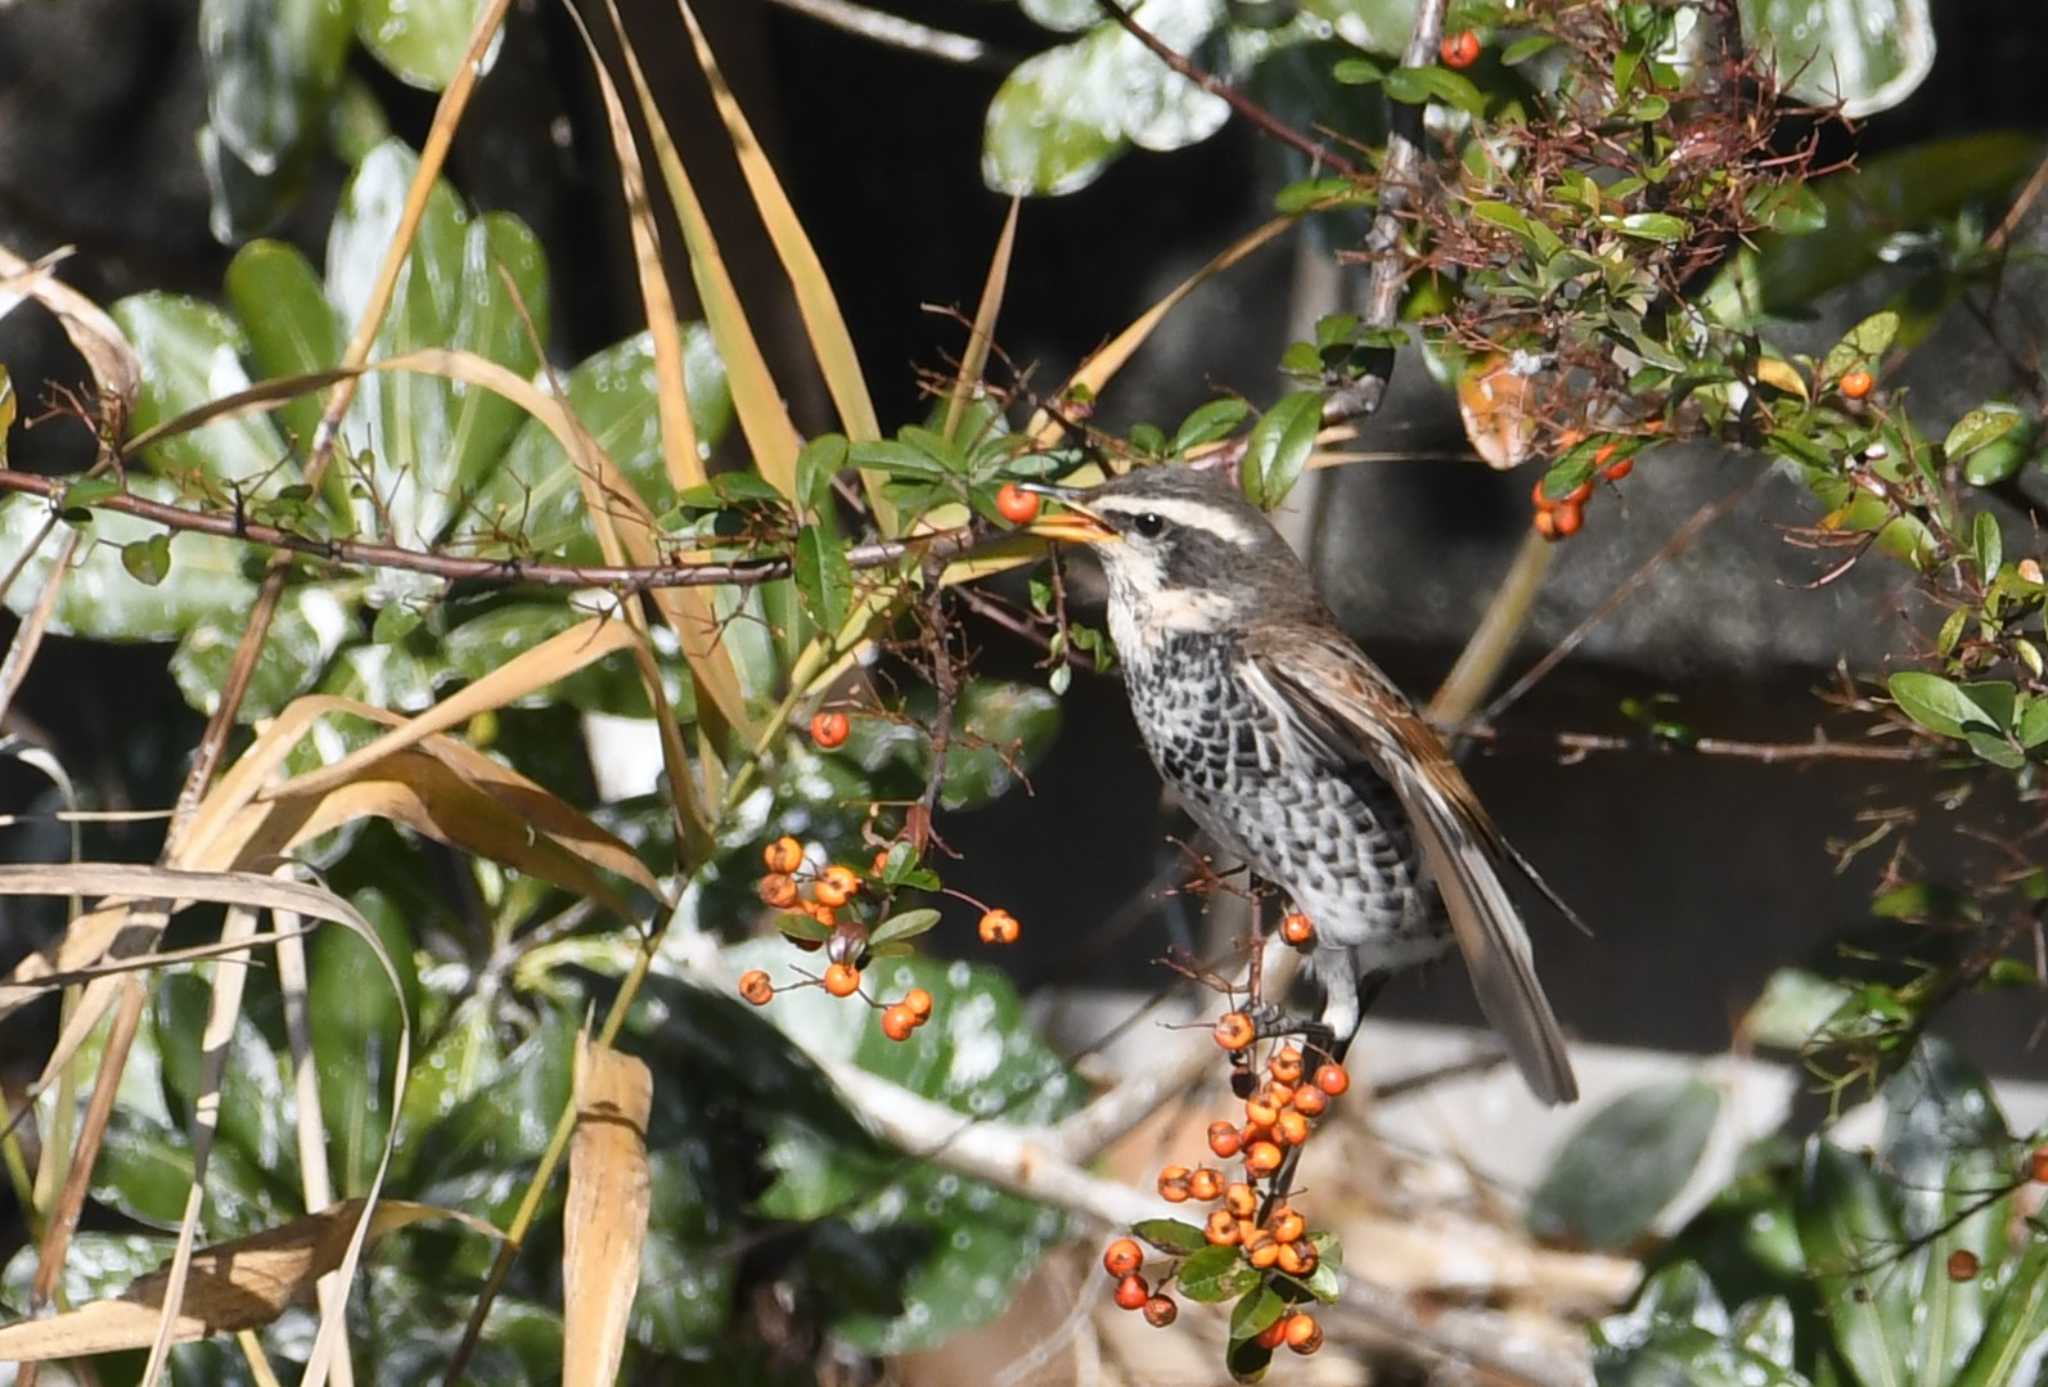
(1074, 525)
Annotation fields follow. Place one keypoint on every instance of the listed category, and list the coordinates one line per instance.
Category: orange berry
(1962, 1264)
(1274, 1334)
(1235, 1031)
(1615, 471)
(836, 886)
(898, 1022)
(1132, 1293)
(1160, 1311)
(1221, 1229)
(1205, 1184)
(783, 855)
(1459, 50)
(1016, 505)
(1263, 1158)
(829, 730)
(880, 864)
(1122, 1257)
(842, 980)
(1332, 1080)
(1173, 1184)
(778, 889)
(820, 912)
(1280, 1093)
(1311, 1101)
(1857, 383)
(1303, 1334)
(1262, 1252)
(1291, 1260)
(755, 987)
(1252, 1132)
(1545, 522)
(1569, 517)
(920, 1003)
(1223, 1139)
(1285, 1065)
(1288, 1226)
(1241, 1200)
(1261, 1111)
(1602, 453)
(1578, 495)
(1292, 1128)
(1537, 496)
(1297, 929)
(2038, 1164)
(999, 927)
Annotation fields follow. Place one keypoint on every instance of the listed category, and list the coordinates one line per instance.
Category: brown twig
(1819, 748)
(357, 553)
(1262, 119)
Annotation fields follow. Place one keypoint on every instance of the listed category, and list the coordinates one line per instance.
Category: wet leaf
(421, 41)
(191, 353)
(1869, 55)
(1279, 447)
(1979, 429)
(1630, 1159)
(356, 1024)
(292, 329)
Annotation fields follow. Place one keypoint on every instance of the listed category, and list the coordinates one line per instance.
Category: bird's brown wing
(1317, 682)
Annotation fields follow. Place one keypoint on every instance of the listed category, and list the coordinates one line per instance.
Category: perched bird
(1298, 756)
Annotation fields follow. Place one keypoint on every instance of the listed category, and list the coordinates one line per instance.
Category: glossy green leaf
(1171, 1235)
(1279, 447)
(1648, 226)
(1987, 545)
(421, 41)
(271, 67)
(824, 577)
(1617, 1171)
(907, 924)
(1255, 1313)
(534, 492)
(356, 1021)
(292, 329)
(1061, 117)
(312, 622)
(1001, 730)
(191, 353)
(1216, 1273)
(502, 314)
(1851, 1240)
(1979, 429)
(1214, 420)
(1937, 703)
(1869, 55)
(148, 561)
(1525, 48)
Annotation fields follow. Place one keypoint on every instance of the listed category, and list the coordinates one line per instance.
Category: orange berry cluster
(1561, 519)
(1123, 1260)
(783, 886)
(1277, 1116)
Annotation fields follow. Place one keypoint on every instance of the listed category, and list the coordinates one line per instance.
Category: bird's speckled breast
(1334, 836)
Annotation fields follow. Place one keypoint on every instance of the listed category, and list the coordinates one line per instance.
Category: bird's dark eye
(1149, 525)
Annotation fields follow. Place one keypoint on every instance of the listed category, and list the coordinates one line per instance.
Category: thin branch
(1262, 119)
(1820, 748)
(357, 553)
(897, 32)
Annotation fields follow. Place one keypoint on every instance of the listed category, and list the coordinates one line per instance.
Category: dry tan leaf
(1781, 375)
(97, 337)
(1096, 371)
(974, 360)
(242, 1284)
(604, 1221)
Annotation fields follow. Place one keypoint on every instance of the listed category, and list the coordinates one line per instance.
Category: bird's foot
(1270, 1021)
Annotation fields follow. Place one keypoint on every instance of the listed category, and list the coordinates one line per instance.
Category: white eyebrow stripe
(1198, 515)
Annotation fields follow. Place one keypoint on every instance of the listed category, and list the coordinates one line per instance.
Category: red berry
(1160, 1311)
(1274, 1333)
(1311, 1101)
(1459, 50)
(1545, 522)
(1205, 1184)
(1332, 1080)
(829, 730)
(1539, 499)
(1297, 929)
(1569, 517)
(1132, 1293)
(1122, 1257)
(1615, 471)
(2038, 1163)
(1016, 505)
(1962, 1264)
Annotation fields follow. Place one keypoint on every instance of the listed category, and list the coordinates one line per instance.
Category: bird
(1291, 749)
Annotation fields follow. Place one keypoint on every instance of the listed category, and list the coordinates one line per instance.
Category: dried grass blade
(1097, 370)
(982, 337)
(604, 1221)
(771, 438)
(113, 363)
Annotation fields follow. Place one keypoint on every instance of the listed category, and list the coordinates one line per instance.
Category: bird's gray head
(1183, 549)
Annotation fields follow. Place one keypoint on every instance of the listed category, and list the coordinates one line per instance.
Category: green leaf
(2017, 1329)
(421, 42)
(906, 925)
(1987, 544)
(1061, 116)
(2032, 728)
(1279, 447)
(1255, 1313)
(1791, 208)
(1171, 1235)
(508, 629)
(1648, 226)
(1869, 55)
(1936, 703)
(148, 561)
(1000, 731)
(1995, 749)
(502, 314)
(291, 327)
(191, 353)
(533, 492)
(1850, 1237)
(1523, 49)
(1357, 72)
(824, 577)
(271, 68)
(820, 460)
(1979, 429)
(1216, 1273)
(356, 1020)
(1208, 423)
(1626, 1163)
